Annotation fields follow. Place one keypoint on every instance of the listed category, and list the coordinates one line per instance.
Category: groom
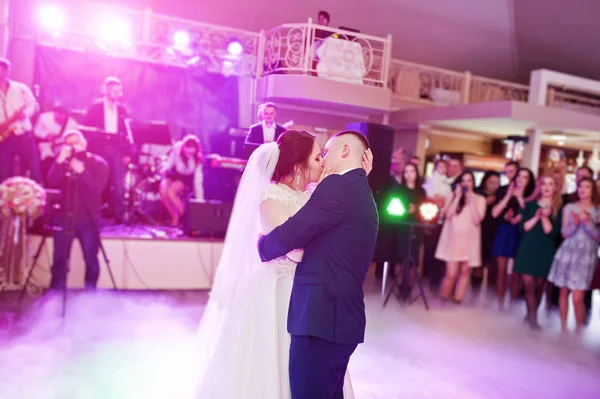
(337, 229)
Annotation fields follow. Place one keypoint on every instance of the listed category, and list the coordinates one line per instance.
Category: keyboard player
(109, 116)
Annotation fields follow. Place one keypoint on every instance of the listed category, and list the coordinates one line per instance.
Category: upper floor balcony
(302, 63)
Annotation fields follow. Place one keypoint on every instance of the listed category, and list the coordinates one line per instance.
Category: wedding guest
(575, 261)
(580, 173)
(506, 241)
(540, 224)
(460, 240)
(182, 173)
(437, 187)
(488, 188)
(433, 268)
(412, 196)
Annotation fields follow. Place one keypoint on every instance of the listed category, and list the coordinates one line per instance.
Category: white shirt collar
(346, 171)
(268, 132)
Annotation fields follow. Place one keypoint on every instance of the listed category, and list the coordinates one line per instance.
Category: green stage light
(396, 208)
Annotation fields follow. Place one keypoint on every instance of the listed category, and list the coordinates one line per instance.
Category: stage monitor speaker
(206, 219)
(381, 139)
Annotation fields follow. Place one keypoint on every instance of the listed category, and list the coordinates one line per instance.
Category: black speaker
(381, 139)
(206, 219)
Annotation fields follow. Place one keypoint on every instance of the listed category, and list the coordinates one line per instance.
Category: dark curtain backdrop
(204, 104)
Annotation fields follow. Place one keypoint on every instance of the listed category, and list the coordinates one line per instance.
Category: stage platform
(141, 258)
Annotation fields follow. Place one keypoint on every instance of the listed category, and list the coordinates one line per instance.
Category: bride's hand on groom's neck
(324, 174)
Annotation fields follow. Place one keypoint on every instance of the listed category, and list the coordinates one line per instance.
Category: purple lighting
(51, 18)
(235, 48)
(181, 39)
(115, 31)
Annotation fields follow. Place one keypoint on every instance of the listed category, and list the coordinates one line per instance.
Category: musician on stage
(267, 130)
(81, 176)
(182, 176)
(109, 116)
(49, 128)
(17, 106)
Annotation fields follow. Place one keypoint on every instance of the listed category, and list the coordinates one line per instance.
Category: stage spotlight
(51, 18)
(429, 211)
(181, 39)
(235, 48)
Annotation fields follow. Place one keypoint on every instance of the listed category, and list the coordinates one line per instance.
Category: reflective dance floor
(139, 345)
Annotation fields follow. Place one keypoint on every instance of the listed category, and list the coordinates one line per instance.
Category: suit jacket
(337, 229)
(94, 116)
(256, 135)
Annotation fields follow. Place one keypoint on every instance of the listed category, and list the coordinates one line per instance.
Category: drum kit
(142, 188)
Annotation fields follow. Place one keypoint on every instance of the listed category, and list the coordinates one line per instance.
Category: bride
(243, 339)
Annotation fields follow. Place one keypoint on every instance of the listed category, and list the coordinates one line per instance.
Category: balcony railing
(424, 85)
(559, 99)
(488, 90)
(317, 50)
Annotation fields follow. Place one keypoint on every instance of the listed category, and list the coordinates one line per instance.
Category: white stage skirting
(139, 264)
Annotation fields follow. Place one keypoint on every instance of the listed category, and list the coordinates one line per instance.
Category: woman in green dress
(540, 225)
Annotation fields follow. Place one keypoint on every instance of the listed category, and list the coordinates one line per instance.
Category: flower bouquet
(22, 201)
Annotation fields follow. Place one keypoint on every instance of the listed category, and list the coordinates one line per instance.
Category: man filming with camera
(81, 177)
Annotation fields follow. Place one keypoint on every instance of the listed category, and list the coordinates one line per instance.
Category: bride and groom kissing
(316, 220)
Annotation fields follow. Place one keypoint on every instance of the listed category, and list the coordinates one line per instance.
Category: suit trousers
(317, 367)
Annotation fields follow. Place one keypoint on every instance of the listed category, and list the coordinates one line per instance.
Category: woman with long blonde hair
(540, 225)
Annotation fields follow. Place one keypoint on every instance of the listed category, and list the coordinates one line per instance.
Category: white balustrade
(575, 102)
(425, 85)
(489, 90)
(326, 52)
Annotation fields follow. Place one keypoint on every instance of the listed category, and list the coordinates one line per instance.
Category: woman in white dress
(243, 338)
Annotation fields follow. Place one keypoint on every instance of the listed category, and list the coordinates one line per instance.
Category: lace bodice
(292, 201)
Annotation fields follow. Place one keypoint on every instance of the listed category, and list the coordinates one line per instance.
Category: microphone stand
(403, 290)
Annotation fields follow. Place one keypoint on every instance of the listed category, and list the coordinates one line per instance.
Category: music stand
(402, 291)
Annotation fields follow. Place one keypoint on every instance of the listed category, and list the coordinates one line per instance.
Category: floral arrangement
(22, 197)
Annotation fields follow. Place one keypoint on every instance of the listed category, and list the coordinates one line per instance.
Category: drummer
(182, 177)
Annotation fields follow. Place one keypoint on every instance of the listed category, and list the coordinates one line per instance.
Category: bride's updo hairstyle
(295, 148)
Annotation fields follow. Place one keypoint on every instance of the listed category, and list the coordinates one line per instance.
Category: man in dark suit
(337, 229)
(109, 116)
(267, 130)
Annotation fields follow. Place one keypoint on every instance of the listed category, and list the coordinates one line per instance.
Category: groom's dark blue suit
(337, 229)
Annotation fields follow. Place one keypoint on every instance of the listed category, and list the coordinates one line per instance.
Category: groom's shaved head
(356, 137)
(345, 150)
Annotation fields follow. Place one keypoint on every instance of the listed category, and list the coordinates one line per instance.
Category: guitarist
(17, 105)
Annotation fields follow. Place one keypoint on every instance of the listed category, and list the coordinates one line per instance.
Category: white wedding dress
(244, 344)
